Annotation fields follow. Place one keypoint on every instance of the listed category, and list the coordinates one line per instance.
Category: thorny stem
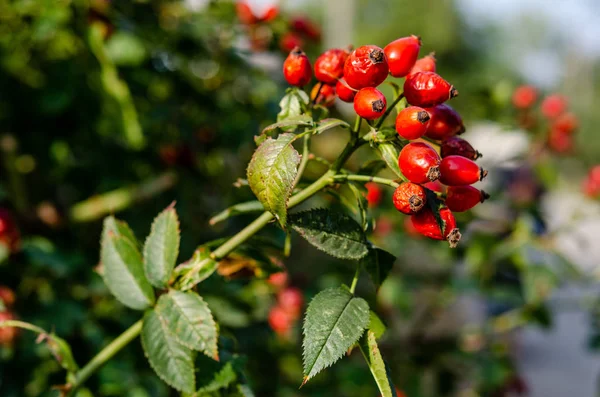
(389, 110)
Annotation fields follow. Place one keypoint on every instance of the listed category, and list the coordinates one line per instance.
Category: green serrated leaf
(378, 264)
(302, 119)
(327, 124)
(222, 379)
(271, 174)
(202, 265)
(123, 266)
(378, 368)
(335, 320)
(293, 104)
(171, 361)
(332, 232)
(389, 152)
(435, 204)
(162, 248)
(189, 320)
(376, 325)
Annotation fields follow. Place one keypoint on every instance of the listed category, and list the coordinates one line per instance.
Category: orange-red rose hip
(445, 122)
(463, 198)
(344, 92)
(296, 68)
(369, 103)
(329, 66)
(409, 198)
(419, 162)
(426, 224)
(412, 122)
(458, 170)
(402, 54)
(366, 67)
(425, 64)
(427, 89)
(323, 94)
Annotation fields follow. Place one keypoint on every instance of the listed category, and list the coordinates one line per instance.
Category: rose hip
(426, 224)
(458, 170)
(463, 198)
(445, 122)
(402, 54)
(419, 162)
(412, 122)
(409, 198)
(553, 106)
(369, 103)
(323, 94)
(524, 97)
(344, 92)
(456, 146)
(366, 67)
(425, 64)
(296, 68)
(329, 66)
(427, 89)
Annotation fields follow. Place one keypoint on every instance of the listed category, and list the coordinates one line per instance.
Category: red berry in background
(7, 296)
(278, 280)
(419, 162)
(289, 41)
(244, 13)
(445, 122)
(458, 170)
(402, 54)
(409, 228)
(369, 103)
(524, 97)
(425, 64)
(344, 92)
(463, 198)
(280, 321)
(566, 122)
(7, 334)
(553, 106)
(269, 14)
(427, 89)
(9, 233)
(306, 27)
(426, 224)
(409, 198)
(296, 68)
(383, 227)
(456, 146)
(560, 141)
(323, 94)
(374, 194)
(591, 185)
(291, 301)
(365, 67)
(329, 66)
(412, 122)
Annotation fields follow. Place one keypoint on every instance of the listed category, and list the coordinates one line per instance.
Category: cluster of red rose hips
(554, 108)
(288, 309)
(354, 75)
(7, 299)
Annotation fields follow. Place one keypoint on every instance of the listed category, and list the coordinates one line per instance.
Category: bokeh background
(125, 106)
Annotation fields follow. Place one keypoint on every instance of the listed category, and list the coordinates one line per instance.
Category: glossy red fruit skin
(366, 67)
(412, 122)
(419, 162)
(326, 94)
(7, 334)
(445, 122)
(566, 122)
(456, 146)
(291, 301)
(425, 64)
(369, 103)
(344, 92)
(374, 194)
(427, 89)
(296, 68)
(425, 223)
(458, 170)
(524, 97)
(9, 232)
(409, 198)
(463, 198)
(402, 54)
(289, 41)
(329, 66)
(553, 106)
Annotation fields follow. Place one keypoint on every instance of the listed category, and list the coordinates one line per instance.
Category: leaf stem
(304, 161)
(23, 325)
(355, 279)
(366, 178)
(389, 110)
(105, 354)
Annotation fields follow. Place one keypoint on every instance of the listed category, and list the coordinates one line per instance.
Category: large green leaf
(332, 232)
(172, 361)
(378, 264)
(380, 372)
(334, 321)
(389, 152)
(123, 268)
(271, 174)
(162, 248)
(293, 104)
(197, 269)
(188, 318)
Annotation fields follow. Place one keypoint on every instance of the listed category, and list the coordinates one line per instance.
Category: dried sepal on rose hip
(366, 67)
(419, 162)
(329, 66)
(458, 170)
(409, 198)
(456, 146)
(401, 55)
(425, 223)
(445, 122)
(297, 69)
(370, 103)
(425, 64)
(463, 198)
(427, 89)
(344, 92)
(412, 122)
(323, 94)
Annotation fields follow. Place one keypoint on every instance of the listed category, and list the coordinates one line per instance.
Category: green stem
(21, 324)
(305, 156)
(366, 178)
(105, 354)
(237, 209)
(389, 110)
(355, 279)
(357, 124)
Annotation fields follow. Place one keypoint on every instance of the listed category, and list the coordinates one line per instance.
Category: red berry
(412, 122)
(344, 92)
(280, 321)
(566, 122)
(456, 146)
(419, 162)
(374, 194)
(324, 94)
(329, 66)
(463, 198)
(7, 296)
(296, 68)
(366, 67)
(425, 64)
(289, 41)
(427, 89)
(291, 301)
(553, 106)
(426, 224)
(7, 334)
(445, 122)
(306, 27)
(409, 198)
(402, 54)
(435, 186)
(278, 280)
(524, 97)
(458, 170)
(270, 14)
(244, 13)
(9, 233)
(560, 141)
(369, 103)
(591, 185)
